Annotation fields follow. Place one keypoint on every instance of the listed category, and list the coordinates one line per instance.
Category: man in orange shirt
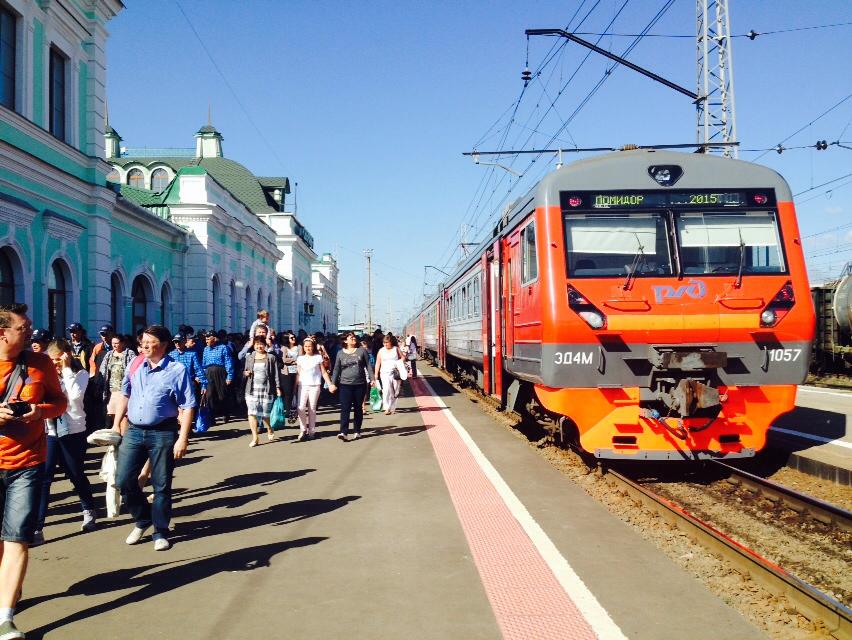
(29, 393)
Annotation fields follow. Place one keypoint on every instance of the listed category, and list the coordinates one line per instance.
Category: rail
(799, 502)
(805, 598)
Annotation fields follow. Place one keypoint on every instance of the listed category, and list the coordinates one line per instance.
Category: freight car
(653, 303)
(833, 343)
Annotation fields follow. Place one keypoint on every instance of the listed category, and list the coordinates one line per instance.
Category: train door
(443, 301)
(510, 286)
(493, 309)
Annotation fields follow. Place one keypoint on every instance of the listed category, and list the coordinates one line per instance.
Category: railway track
(801, 503)
(805, 598)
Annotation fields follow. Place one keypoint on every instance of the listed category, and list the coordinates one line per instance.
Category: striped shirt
(189, 359)
(219, 355)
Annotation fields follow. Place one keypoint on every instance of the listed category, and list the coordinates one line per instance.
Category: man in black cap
(41, 338)
(81, 346)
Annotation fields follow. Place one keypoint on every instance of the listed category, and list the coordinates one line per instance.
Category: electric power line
(799, 130)
(751, 35)
(795, 195)
(228, 84)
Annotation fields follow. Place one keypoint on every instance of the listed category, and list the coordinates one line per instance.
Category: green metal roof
(239, 181)
(142, 197)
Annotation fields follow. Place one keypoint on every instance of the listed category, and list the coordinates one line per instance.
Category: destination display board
(692, 199)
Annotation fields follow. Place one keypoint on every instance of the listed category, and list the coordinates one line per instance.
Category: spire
(112, 148)
(208, 141)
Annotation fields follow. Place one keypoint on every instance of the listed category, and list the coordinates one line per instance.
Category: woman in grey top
(351, 374)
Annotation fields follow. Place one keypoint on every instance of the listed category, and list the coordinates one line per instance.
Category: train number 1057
(784, 355)
(573, 357)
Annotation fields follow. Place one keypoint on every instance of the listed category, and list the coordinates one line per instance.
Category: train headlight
(593, 319)
(779, 307)
(581, 305)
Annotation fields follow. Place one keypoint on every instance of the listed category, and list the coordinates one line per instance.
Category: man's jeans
(137, 446)
(20, 490)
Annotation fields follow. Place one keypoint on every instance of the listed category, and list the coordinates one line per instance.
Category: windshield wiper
(739, 281)
(638, 258)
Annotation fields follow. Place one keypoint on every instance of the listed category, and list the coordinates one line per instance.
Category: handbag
(395, 374)
(278, 415)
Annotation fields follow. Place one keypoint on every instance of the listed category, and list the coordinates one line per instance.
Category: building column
(98, 264)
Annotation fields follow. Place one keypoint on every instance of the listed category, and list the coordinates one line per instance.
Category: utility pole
(368, 253)
(716, 121)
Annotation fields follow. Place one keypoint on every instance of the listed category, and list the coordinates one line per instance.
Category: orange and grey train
(654, 303)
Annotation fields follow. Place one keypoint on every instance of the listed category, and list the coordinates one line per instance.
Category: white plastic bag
(107, 474)
(403, 370)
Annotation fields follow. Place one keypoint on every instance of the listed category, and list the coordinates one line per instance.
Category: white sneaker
(355, 436)
(162, 544)
(90, 521)
(136, 535)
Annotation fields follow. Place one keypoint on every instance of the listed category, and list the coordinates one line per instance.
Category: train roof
(630, 170)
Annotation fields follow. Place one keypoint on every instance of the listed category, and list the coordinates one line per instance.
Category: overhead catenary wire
(470, 216)
(750, 35)
(800, 129)
(594, 90)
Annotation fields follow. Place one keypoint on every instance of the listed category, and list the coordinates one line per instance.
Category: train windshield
(745, 242)
(617, 245)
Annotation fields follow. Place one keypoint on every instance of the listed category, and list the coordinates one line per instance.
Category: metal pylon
(715, 108)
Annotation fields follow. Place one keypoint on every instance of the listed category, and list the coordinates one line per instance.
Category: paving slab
(326, 539)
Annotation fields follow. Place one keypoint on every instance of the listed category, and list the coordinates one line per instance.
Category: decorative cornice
(15, 211)
(60, 227)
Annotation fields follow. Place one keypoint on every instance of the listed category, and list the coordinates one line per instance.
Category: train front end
(681, 320)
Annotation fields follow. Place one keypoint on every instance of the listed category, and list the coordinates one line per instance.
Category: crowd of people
(145, 390)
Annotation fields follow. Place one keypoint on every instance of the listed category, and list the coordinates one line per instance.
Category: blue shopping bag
(202, 420)
(278, 415)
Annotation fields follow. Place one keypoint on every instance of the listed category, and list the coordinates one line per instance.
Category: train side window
(476, 296)
(529, 261)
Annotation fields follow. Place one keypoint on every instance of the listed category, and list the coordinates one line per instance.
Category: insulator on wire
(526, 76)
(779, 149)
(752, 34)
(821, 145)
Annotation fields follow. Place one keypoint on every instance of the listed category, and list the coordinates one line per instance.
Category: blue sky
(369, 106)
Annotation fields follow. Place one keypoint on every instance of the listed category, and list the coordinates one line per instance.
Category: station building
(185, 236)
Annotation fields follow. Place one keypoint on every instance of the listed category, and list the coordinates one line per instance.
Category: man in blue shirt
(189, 358)
(219, 367)
(159, 399)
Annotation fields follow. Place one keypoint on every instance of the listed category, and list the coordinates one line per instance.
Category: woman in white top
(310, 372)
(386, 362)
(66, 437)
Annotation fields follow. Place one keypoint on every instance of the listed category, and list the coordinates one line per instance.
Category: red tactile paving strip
(526, 597)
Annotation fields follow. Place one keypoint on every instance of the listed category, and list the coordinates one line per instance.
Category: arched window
(135, 178)
(260, 301)
(115, 301)
(159, 180)
(140, 304)
(57, 298)
(165, 304)
(217, 317)
(7, 279)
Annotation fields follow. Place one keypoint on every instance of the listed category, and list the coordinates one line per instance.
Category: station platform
(817, 434)
(437, 523)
